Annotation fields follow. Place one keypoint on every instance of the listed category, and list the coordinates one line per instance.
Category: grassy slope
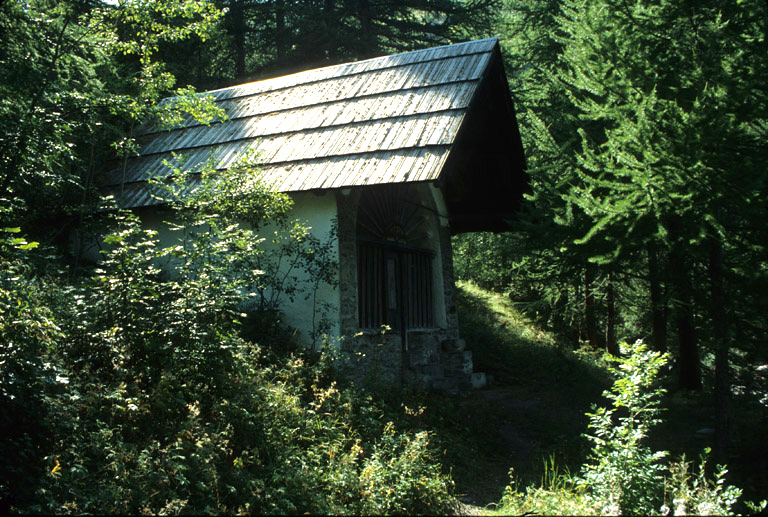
(535, 409)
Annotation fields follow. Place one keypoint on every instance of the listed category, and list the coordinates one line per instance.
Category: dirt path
(509, 443)
(519, 424)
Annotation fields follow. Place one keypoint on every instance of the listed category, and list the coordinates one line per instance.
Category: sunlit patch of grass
(556, 494)
(505, 342)
(499, 315)
(541, 391)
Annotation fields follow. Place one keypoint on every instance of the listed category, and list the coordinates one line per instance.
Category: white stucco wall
(438, 268)
(318, 212)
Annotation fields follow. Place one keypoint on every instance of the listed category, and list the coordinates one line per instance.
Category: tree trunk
(367, 38)
(590, 327)
(658, 310)
(690, 367)
(720, 335)
(280, 41)
(610, 331)
(237, 30)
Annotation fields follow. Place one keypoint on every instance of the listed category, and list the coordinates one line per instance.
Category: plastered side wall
(317, 211)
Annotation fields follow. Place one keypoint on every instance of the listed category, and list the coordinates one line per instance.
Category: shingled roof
(391, 119)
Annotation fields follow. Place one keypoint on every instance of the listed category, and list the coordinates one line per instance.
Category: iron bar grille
(394, 287)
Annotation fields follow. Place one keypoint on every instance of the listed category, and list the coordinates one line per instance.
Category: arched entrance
(395, 255)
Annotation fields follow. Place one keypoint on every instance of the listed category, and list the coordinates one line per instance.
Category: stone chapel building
(393, 155)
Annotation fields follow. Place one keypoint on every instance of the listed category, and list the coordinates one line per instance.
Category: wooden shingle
(391, 119)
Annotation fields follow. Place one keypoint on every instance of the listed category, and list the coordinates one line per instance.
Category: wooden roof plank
(383, 120)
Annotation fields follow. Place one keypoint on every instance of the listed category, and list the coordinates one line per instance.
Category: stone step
(449, 385)
(453, 345)
(479, 380)
(455, 363)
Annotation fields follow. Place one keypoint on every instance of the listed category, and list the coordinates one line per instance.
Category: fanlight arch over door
(394, 262)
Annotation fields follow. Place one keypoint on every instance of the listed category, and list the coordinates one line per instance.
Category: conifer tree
(565, 287)
(268, 38)
(673, 126)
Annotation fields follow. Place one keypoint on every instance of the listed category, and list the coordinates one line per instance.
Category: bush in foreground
(134, 392)
(624, 476)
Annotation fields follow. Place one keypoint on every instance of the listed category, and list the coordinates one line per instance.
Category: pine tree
(673, 152)
(268, 38)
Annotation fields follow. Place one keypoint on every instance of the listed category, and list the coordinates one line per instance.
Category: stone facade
(431, 358)
(346, 203)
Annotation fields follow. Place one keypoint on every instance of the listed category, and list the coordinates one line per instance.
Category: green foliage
(75, 78)
(133, 391)
(28, 379)
(273, 37)
(485, 259)
(279, 252)
(400, 476)
(658, 120)
(695, 494)
(558, 495)
(644, 127)
(236, 193)
(624, 475)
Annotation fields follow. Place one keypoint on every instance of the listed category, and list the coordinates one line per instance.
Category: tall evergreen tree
(553, 276)
(677, 160)
(267, 38)
(644, 125)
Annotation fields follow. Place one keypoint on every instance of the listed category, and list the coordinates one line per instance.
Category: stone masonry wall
(377, 357)
(347, 238)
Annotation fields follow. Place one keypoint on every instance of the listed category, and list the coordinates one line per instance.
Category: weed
(694, 493)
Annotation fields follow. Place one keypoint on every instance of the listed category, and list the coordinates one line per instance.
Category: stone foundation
(430, 363)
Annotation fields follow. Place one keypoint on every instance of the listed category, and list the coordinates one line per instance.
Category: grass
(535, 407)
(503, 341)
(532, 418)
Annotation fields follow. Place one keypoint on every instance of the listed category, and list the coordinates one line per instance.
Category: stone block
(479, 380)
(453, 345)
(457, 363)
(449, 385)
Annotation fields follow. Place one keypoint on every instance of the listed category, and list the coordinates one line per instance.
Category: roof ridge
(328, 78)
(363, 61)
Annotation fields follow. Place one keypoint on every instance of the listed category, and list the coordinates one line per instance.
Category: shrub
(558, 494)
(624, 476)
(164, 408)
(402, 476)
(695, 494)
(28, 380)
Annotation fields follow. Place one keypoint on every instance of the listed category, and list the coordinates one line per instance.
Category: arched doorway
(395, 255)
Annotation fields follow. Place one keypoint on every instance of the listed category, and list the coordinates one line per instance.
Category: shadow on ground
(533, 411)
